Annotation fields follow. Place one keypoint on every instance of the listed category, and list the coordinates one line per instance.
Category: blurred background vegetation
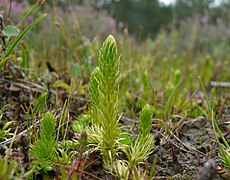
(156, 41)
(148, 17)
(143, 17)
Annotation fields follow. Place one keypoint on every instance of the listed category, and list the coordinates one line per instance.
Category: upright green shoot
(145, 123)
(104, 98)
(104, 132)
(143, 145)
(44, 148)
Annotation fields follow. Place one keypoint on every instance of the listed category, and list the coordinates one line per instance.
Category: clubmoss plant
(142, 146)
(104, 99)
(105, 134)
(44, 148)
(145, 123)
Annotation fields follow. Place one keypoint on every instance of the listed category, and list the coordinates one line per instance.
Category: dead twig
(188, 147)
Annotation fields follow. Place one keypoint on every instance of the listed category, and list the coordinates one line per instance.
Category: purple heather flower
(76, 8)
(204, 20)
(112, 23)
(30, 19)
(219, 21)
(16, 7)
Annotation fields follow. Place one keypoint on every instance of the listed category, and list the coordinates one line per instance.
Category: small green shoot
(143, 145)
(44, 148)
